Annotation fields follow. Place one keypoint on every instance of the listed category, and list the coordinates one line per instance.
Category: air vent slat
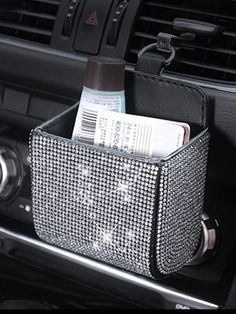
(207, 66)
(145, 35)
(188, 45)
(25, 28)
(213, 49)
(56, 2)
(29, 19)
(27, 13)
(153, 20)
(230, 34)
(206, 58)
(190, 10)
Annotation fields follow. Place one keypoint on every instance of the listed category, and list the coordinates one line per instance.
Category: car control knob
(209, 240)
(10, 173)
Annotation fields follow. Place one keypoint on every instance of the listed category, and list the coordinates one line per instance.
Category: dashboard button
(91, 26)
(70, 16)
(16, 101)
(116, 22)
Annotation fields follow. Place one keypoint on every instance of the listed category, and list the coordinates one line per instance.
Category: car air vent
(205, 57)
(28, 19)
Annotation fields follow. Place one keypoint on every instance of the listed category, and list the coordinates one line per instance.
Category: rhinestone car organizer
(140, 214)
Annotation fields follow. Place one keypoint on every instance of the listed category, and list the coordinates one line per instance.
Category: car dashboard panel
(44, 46)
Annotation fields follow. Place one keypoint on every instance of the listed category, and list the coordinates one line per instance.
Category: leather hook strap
(163, 44)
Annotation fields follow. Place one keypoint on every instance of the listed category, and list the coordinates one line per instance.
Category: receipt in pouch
(138, 135)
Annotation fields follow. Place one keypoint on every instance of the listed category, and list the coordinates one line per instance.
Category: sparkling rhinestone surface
(93, 202)
(181, 197)
(102, 204)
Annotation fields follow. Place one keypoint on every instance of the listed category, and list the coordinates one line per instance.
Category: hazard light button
(91, 27)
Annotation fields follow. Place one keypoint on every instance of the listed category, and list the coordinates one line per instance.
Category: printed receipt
(90, 103)
(139, 135)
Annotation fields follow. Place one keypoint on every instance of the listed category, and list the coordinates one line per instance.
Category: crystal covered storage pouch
(139, 214)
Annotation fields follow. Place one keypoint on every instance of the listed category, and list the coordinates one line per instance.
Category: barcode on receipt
(143, 139)
(123, 136)
(88, 125)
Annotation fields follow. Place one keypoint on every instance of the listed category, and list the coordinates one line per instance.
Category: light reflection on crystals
(123, 187)
(90, 201)
(126, 166)
(84, 171)
(92, 215)
(84, 193)
(84, 196)
(95, 245)
(103, 236)
(103, 209)
(130, 234)
(106, 237)
(127, 198)
(101, 159)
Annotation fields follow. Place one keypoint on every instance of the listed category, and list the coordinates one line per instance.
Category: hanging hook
(164, 44)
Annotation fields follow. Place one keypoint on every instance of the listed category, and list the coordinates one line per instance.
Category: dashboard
(44, 46)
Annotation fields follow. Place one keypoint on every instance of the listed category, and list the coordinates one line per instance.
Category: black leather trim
(150, 64)
(151, 95)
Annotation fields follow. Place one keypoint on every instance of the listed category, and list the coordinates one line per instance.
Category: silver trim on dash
(168, 294)
(3, 166)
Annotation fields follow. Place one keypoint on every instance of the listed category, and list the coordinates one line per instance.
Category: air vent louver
(28, 19)
(206, 58)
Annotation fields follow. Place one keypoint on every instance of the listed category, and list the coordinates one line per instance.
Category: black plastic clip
(164, 44)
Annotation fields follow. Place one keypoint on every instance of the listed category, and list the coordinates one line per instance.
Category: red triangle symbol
(92, 19)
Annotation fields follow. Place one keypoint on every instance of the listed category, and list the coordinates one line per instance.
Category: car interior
(172, 240)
